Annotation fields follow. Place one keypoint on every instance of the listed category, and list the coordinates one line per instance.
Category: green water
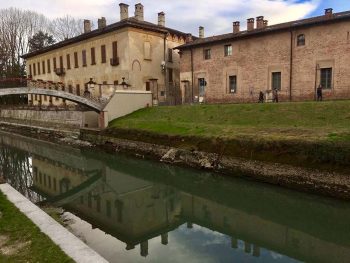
(132, 210)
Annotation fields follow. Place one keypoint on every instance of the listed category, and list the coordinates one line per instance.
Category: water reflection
(165, 212)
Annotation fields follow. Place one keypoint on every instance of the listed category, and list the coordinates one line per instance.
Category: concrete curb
(70, 244)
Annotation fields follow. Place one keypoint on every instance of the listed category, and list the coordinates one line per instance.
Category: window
(147, 50)
(103, 54)
(70, 88)
(61, 62)
(326, 78)
(48, 66)
(115, 50)
(54, 64)
(232, 84)
(207, 54)
(228, 50)
(39, 68)
(43, 66)
(170, 55)
(93, 58)
(30, 70)
(148, 86)
(170, 75)
(76, 63)
(301, 40)
(68, 61)
(276, 81)
(78, 89)
(34, 69)
(83, 53)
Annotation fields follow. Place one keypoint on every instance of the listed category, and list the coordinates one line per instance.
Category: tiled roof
(130, 22)
(269, 29)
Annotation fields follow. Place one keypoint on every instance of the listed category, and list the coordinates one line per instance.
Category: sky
(216, 16)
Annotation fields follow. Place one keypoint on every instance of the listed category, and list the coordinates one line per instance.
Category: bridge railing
(99, 94)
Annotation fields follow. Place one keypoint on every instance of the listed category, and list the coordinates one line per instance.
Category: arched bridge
(95, 105)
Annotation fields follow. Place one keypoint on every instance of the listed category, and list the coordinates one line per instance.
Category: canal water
(131, 210)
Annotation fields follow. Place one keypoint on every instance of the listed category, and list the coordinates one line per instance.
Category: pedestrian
(261, 97)
(319, 93)
(275, 95)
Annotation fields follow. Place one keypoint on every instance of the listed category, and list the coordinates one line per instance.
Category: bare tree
(66, 27)
(16, 28)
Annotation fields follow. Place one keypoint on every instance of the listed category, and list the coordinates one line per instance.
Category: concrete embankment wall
(126, 102)
(54, 118)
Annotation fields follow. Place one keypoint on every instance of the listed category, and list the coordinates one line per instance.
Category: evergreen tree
(40, 40)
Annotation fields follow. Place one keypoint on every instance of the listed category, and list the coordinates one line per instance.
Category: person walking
(319, 93)
(261, 97)
(275, 95)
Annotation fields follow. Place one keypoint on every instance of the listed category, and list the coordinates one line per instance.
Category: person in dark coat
(319, 93)
(275, 95)
(261, 97)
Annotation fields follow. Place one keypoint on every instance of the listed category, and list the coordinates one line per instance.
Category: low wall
(126, 102)
(67, 118)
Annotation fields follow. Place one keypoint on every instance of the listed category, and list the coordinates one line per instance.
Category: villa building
(132, 51)
(293, 58)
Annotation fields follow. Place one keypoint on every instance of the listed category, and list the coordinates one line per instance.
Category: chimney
(87, 26)
(266, 23)
(328, 12)
(250, 24)
(124, 11)
(139, 12)
(259, 22)
(161, 19)
(236, 27)
(189, 38)
(201, 32)
(101, 22)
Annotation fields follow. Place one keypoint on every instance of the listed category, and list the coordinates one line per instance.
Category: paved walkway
(70, 244)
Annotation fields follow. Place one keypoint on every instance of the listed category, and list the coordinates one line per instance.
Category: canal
(132, 210)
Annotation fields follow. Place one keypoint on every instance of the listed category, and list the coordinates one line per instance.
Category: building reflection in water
(136, 207)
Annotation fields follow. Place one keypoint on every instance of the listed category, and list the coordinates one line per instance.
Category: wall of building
(254, 59)
(140, 55)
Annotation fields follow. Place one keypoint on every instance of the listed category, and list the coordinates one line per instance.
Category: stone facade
(257, 56)
(131, 50)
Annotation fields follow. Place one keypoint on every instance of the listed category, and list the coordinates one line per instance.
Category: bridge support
(102, 120)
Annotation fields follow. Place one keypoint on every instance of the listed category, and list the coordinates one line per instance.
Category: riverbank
(308, 134)
(21, 240)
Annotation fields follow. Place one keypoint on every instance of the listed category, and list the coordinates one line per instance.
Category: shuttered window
(276, 81)
(326, 78)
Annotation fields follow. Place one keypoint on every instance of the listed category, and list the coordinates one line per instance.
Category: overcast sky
(186, 15)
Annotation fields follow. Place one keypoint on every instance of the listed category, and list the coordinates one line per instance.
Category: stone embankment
(323, 182)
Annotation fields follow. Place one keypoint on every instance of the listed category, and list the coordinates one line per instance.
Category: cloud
(215, 15)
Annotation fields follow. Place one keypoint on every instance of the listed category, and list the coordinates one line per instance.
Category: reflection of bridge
(95, 105)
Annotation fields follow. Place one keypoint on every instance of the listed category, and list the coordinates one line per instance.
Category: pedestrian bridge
(88, 102)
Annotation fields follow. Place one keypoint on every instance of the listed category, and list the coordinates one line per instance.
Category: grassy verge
(304, 121)
(296, 133)
(22, 241)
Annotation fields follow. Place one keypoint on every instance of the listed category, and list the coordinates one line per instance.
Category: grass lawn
(22, 241)
(325, 121)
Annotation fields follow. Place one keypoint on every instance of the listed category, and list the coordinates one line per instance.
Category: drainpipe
(192, 74)
(165, 70)
(291, 66)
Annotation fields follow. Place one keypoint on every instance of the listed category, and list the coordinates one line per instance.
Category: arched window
(301, 40)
